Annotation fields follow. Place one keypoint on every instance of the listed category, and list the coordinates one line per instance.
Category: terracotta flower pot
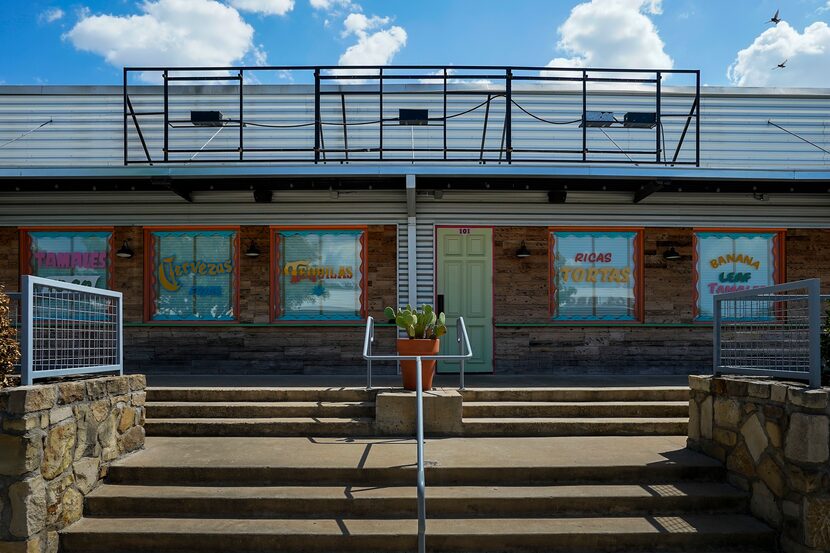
(408, 368)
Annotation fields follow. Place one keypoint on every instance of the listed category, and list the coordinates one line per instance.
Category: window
(69, 255)
(728, 261)
(192, 274)
(596, 275)
(319, 274)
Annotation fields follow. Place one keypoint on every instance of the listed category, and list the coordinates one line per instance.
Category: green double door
(465, 280)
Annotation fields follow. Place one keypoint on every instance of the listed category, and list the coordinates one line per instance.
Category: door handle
(439, 303)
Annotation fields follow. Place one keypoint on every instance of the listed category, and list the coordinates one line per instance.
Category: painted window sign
(594, 275)
(732, 261)
(192, 275)
(319, 274)
(78, 257)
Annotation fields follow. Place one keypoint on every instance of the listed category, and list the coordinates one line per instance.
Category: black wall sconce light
(253, 250)
(522, 252)
(125, 251)
(671, 254)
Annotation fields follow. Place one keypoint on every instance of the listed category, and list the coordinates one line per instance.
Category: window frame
(779, 265)
(273, 274)
(149, 296)
(25, 246)
(639, 260)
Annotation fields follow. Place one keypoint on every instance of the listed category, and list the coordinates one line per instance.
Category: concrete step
(570, 394)
(522, 461)
(400, 501)
(679, 533)
(239, 394)
(554, 409)
(575, 426)
(249, 409)
(289, 426)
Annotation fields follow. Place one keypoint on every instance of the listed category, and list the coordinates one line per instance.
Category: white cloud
(612, 33)
(357, 23)
(329, 5)
(167, 33)
(264, 7)
(807, 55)
(50, 15)
(375, 49)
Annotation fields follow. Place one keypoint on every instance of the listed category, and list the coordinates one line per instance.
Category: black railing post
(166, 116)
(584, 115)
(445, 113)
(380, 111)
(124, 93)
(241, 117)
(657, 127)
(697, 119)
(508, 119)
(317, 115)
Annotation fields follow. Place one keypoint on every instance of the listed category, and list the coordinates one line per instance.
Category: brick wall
(521, 296)
(227, 349)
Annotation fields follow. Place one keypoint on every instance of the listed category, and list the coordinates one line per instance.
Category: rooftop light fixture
(413, 117)
(207, 119)
(125, 251)
(599, 119)
(640, 120)
(522, 252)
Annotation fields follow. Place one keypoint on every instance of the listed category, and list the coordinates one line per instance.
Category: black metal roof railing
(510, 97)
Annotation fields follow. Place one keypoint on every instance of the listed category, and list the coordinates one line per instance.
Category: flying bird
(775, 20)
(781, 65)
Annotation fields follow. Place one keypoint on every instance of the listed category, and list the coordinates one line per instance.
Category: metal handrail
(463, 340)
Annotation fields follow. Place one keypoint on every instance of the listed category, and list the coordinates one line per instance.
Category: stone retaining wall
(56, 442)
(774, 438)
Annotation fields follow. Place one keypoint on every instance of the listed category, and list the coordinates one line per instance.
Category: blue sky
(87, 41)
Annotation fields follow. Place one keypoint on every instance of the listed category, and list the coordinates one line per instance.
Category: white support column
(411, 241)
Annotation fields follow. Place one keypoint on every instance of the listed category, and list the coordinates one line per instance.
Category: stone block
(32, 545)
(791, 510)
(758, 389)
(395, 412)
(26, 399)
(727, 412)
(694, 420)
(809, 399)
(773, 412)
(714, 450)
(100, 409)
(772, 475)
(58, 449)
(754, 437)
(71, 392)
(86, 472)
(118, 385)
(725, 437)
(21, 425)
(27, 502)
(778, 392)
(59, 414)
(773, 433)
(127, 419)
(706, 416)
(133, 439)
(72, 505)
(138, 399)
(55, 490)
(700, 383)
(808, 438)
(19, 454)
(763, 505)
(96, 388)
(803, 481)
(817, 522)
(137, 382)
(52, 543)
(740, 461)
(736, 387)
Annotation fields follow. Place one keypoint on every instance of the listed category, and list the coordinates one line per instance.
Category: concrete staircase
(602, 411)
(576, 494)
(259, 411)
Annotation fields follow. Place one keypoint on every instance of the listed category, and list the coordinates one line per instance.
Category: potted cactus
(423, 329)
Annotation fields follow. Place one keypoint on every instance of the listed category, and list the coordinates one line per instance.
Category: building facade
(250, 266)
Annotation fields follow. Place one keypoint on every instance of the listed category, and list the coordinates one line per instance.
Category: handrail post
(459, 331)
(26, 330)
(419, 421)
(814, 314)
(716, 337)
(369, 361)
